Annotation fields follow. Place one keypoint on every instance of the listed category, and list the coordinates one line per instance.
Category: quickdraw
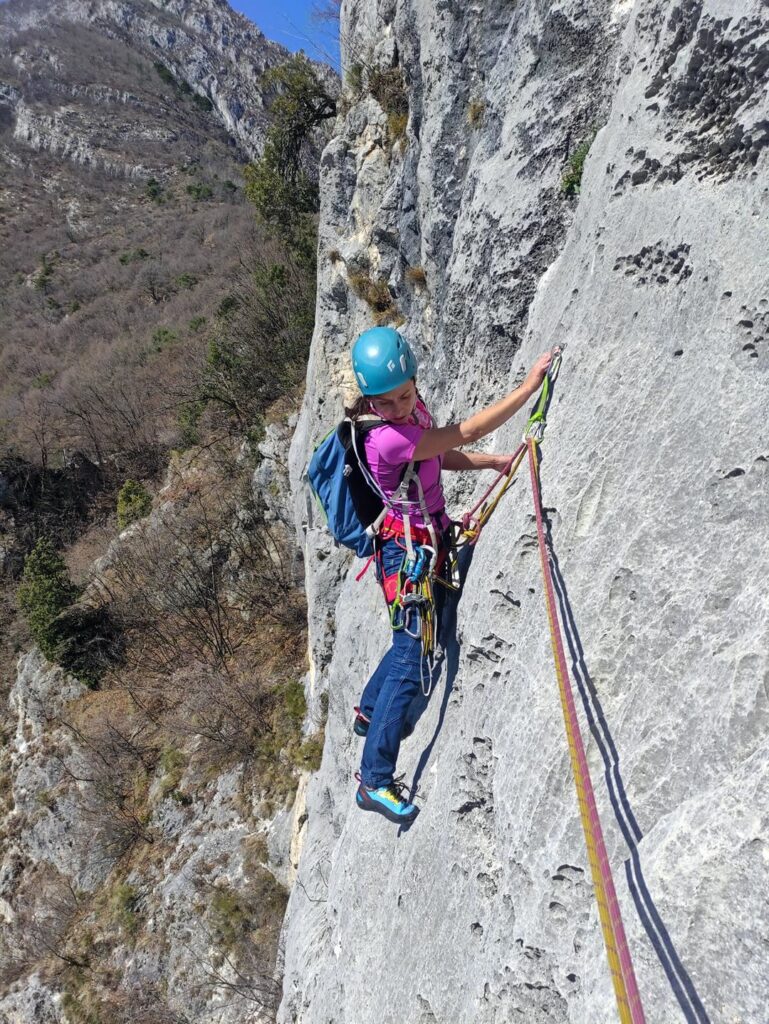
(412, 604)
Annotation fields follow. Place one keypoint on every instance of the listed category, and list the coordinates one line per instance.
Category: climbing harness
(409, 593)
(617, 951)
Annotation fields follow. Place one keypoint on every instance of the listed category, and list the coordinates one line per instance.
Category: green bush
(86, 641)
(133, 502)
(354, 79)
(134, 255)
(228, 305)
(187, 281)
(162, 338)
(153, 190)
(165, 74)
(45, 273)
(198, 190)
(123, 908)
(311, 752)
(571, 182)
(44, 592)
(295, 703)
(202, 102)
(278, 185)
(44, 380)
(188, 420)
(173, 762)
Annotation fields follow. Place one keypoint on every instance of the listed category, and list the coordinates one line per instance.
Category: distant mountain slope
(124, 129)
(218, 52)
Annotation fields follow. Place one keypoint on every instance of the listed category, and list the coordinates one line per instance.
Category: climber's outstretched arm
(442, 439)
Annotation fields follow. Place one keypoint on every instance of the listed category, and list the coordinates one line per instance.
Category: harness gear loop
(617, 951)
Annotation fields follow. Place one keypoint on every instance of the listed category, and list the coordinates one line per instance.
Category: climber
(385, 371)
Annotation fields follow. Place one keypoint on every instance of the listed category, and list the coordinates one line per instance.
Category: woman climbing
(416, 523)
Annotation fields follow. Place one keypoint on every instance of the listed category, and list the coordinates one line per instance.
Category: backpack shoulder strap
(351, 433)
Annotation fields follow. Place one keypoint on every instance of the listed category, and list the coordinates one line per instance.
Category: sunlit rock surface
(655, 479)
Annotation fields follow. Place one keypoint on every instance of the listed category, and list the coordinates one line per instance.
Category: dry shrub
(388, 88)
(114, 754)
(376, 293)
(416, 276)
(46, 906)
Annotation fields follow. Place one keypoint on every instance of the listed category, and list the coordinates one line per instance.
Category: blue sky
(289, 22)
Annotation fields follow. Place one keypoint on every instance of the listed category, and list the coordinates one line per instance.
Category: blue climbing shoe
(361, 723)
(387, 800)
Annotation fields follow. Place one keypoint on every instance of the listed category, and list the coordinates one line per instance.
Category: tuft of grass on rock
(571, 182)
(475, 112)
(376, 294)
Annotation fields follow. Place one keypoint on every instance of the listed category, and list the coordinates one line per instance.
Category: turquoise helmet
(382, 360)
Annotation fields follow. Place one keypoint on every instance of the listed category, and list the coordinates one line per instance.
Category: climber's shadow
(449, 657)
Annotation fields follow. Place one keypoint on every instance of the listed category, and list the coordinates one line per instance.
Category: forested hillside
(157, 291)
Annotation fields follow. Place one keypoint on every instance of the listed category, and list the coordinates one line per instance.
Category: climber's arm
(454, 459)
(438, 440)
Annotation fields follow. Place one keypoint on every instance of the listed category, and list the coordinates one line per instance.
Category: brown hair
(360, 407)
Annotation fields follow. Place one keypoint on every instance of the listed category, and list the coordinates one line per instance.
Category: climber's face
(397, 405)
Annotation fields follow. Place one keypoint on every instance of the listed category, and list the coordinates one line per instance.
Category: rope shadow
(677, 975)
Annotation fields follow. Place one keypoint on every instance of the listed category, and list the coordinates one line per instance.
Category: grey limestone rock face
(655, 480)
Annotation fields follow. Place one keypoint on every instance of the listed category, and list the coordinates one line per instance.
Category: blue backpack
(352, 502)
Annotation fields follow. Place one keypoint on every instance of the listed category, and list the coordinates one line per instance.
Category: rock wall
(656, 482)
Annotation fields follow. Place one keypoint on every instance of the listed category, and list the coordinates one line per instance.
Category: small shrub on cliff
(82, 639)
(199, 190)
(133, 502)
(388, 88)
(416, 276)
(123, 905)
(188, 421)
(571, 182)
(475, 111)
(45, 591)
(377, 295)
(354, 79)
(153, 190)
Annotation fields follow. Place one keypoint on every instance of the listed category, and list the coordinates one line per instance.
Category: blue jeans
(395, 683)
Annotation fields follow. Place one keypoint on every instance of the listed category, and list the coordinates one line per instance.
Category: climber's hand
(536, 374)
(501, 462)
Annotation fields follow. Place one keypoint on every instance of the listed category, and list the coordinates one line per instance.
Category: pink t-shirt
(390, 448)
